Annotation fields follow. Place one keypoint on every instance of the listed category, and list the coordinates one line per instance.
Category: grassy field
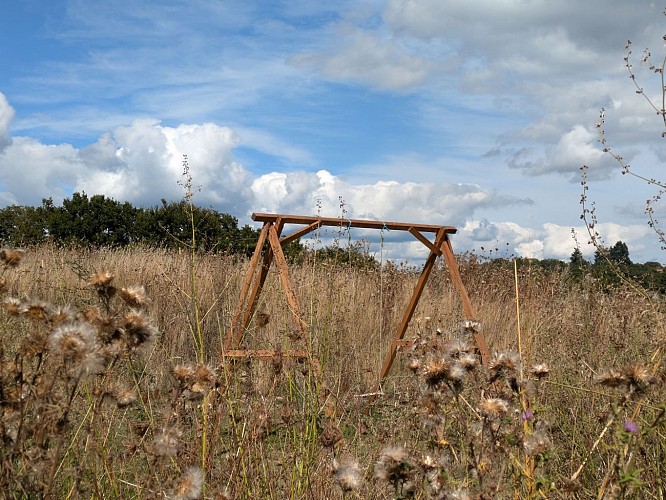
(114, 383)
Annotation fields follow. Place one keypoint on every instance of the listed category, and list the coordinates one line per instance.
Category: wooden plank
(285, 240)
(359, 223)
(454, 272)
(425, 241)
(235, 333)
(259, 284)
(283, 269)
(411, 306)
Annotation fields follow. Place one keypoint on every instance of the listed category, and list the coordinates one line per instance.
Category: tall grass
(94, 406)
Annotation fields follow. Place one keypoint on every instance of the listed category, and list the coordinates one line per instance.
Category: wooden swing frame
(254, 281)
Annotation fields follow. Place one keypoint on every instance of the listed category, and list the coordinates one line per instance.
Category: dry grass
(120, 416)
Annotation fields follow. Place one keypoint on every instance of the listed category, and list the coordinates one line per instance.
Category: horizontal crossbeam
(358, 223)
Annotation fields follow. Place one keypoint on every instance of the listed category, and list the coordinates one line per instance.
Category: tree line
(99, 221)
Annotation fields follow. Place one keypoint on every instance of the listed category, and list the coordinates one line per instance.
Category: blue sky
(477, 114)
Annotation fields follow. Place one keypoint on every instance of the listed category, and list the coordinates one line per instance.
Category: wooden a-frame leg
(283, 269)
(454, 272)
(411, 307)
(238, 324)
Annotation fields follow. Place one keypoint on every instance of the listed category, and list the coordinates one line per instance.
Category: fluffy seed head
(61, 314)
(414, 364)
(494, 407)
(139, 329)
(134, 296)
(124, 396)
(166, 443)
(13, 306)
(638, 376)
(436, 370)
(37, 310)
(184, 374)
(631, 378)
(102, 279)
(458, 347)
(540, 371)
(503, 364)
(392, 465)
(536, 443)
(77, 342)
(190, 485)
(347, 473)
(468, 361)
(11, 257)
(611, 378)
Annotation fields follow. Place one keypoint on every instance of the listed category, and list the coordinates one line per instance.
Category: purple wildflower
(527, 415)
(630, 426)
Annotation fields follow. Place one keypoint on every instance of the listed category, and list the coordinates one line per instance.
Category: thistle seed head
(11, 257)
(37, 310)
(101, 280)
(494, 407)
(190, 485)
(134, 296)
(540, 371)
(167, 442)
(139, 329)
(347, 473)
(536, 443)
(392, 465)
(505, 364)
(13, 306)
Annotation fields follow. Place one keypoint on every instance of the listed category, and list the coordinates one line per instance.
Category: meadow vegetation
(114, 382)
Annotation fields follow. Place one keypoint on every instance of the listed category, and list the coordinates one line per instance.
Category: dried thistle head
(630, 378)
(13, 306)
(504, 364)
(77, 343)
(139, 329)
(330, 436)
(347, 474)
(102, 279)
(11, 257)
(468, 361)
(536, 443)
(184, 374)
(540, 371)
(190, 485)
(494, 407)
(102, 283)
(393, 465)
(167, 442)
(204, 378)
(436, 370)
(37, 310)
(470, 326)
(458, 347)
(414, 364)
(3, 284)
(134, 296)
(638, 377)
(124, 396)
(61, 314)
(611, 378)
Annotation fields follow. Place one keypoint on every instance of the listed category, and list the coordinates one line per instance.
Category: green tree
(619, 254)
(97, 221)
(578, 266)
